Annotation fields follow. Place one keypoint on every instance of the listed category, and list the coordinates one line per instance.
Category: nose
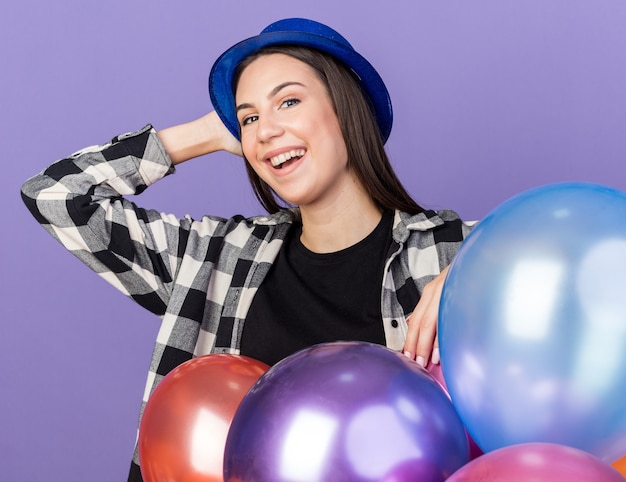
(268, 127)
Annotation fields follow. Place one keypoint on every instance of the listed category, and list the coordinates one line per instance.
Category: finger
(414, 322)
(414, 344)
(436, 358)
(424, 346)
(424, 331)
(410, 342)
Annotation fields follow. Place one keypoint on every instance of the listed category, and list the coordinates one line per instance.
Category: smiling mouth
(279, 161)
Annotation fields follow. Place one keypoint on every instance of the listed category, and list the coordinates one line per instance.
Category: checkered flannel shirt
(200, 276)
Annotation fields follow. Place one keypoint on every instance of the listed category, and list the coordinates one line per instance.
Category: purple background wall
(491, 98)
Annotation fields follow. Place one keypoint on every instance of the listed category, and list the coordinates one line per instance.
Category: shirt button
(394, 323)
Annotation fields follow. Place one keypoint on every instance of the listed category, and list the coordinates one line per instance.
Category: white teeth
(285, 156)
(278, 160)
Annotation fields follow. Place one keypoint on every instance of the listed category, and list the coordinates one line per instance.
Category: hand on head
(201, 136)
(224, 139)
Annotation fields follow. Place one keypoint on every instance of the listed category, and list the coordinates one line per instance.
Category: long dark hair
(366, 153)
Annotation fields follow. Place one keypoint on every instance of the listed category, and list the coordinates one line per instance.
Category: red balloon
(539, 462)
(183, 430)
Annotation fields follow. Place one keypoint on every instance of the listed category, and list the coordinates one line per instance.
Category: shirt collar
(284, 216)
(404, 223)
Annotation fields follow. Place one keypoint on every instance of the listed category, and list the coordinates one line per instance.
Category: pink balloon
(539, 462)
(437, 373)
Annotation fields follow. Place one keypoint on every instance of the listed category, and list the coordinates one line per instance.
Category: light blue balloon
(532, 322)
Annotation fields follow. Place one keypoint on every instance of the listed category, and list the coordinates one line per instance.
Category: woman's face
(290, 134)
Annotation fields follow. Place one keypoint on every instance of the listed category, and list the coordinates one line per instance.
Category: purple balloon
(539, 462)
(414, 470)
(345, 411)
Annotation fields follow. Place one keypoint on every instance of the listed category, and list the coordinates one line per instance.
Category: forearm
(186, 141)
(197, 138)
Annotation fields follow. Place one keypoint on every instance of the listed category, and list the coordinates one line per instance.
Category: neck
(336, 227)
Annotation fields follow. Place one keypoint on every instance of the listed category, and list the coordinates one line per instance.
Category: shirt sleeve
(79, 200)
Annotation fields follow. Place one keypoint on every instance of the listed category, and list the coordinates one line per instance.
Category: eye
(249, 120)
(289, 102)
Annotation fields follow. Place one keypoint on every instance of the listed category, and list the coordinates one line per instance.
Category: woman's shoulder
(445, 224)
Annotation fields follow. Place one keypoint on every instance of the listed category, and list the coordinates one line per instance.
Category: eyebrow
(272, 93)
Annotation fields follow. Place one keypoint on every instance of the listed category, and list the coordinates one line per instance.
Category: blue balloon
(350, 411)
(532, 322)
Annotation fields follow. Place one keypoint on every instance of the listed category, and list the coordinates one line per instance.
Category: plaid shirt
(200, 276)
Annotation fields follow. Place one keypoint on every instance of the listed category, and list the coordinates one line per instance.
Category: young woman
(344, 253)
